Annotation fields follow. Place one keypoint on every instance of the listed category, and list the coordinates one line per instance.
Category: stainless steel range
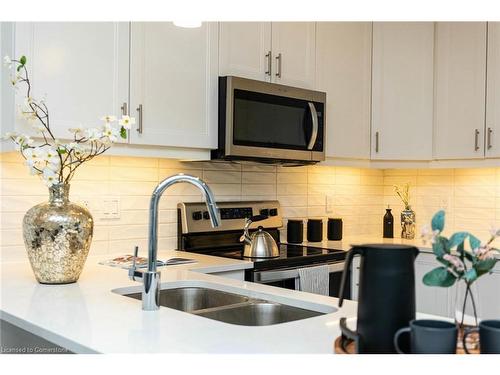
(195, 234)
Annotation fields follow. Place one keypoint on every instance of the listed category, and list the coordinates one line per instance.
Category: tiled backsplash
(471, 197)
(354, 194)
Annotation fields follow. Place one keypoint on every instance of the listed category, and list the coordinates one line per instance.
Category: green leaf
(438, 221)
(484, 266)
(61, 151)
(22, 60)
(440, 246)
(471, 275)
(474, 242)
(439, 277)
(123, 133)
(457, 239)
(19, 67)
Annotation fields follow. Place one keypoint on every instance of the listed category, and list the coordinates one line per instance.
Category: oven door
(265, 120)
(285, 278)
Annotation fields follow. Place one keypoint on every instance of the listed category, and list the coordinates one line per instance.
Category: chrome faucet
(151, 278)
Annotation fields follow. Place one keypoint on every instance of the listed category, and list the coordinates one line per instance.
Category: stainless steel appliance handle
(314, 134)
(278, 65)
(476, 139)
(490, 131)
(269, 63)
(139, 123)
(289, 273)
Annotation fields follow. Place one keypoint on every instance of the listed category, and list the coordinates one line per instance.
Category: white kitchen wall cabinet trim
(492, 131)
(402, 90)
(460, 84)
(279, 52)
(174, 84)
(343, 71)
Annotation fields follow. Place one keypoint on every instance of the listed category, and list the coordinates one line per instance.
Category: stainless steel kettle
(259, 244)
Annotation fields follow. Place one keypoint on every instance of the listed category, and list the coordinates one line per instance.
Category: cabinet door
(81, 68)
(293, 46)
(245, 50)
(430, 300)
(173, 79)
(343, 70)
(402, 90)
(460, 90)
(492, 148)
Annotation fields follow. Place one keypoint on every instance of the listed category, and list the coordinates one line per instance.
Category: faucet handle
(132, 271)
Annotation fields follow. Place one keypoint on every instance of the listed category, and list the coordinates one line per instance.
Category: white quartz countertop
(87, 317)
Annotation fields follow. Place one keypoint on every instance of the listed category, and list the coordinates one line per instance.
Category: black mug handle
(350, 334)
(467, 332)
(396, 338)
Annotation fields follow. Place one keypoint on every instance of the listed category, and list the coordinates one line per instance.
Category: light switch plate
(111, 208)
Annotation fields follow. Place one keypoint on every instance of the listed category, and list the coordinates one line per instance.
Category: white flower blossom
(49, 177)
(34, 155)
(494, 231)
(127, 122)
(428, 235)
(108, 119)
(10, 135)
(455, 261)
(485, 252)
(51, 156)
(7, 61)
(111, 133)
(22, 140)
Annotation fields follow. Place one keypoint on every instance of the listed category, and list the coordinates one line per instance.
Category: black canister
(334, 232)
(314, 230)
(295, 231)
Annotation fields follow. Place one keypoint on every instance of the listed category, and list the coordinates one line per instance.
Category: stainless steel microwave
(268, 122)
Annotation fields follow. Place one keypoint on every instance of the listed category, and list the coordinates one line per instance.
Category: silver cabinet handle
(476, 139)
(269, 58)
(124, 109)
(139, 122)
(376, 141)
(278, 65)
(490, 131)
(314, 133)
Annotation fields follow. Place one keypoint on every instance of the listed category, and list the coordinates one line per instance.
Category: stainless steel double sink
(229, 307)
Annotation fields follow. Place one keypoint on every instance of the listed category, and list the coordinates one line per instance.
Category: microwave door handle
(314, 133)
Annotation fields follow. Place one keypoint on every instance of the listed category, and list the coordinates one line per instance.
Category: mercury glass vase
(57, 235)
(408, 223)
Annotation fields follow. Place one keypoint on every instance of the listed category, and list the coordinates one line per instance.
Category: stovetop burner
(290, 255)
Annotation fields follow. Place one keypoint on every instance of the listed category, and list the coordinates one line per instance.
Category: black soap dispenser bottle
(388, 223)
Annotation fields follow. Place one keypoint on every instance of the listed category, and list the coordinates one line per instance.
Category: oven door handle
(315, 126)
(289, 273)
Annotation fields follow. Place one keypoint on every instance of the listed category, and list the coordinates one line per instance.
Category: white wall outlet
(329, 203)
(111, 208)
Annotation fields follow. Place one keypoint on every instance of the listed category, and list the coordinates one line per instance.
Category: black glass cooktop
(290, 255)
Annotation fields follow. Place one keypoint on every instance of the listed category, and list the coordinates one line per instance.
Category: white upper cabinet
(460, 90)
(80, 67)
(280, 52)
(245, 50)
(492, 133)
(343, 71)
(173, 84)
(293, 46)
(402, 90)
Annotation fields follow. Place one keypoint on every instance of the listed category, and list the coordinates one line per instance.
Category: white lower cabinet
(173, 84)
(430, 300)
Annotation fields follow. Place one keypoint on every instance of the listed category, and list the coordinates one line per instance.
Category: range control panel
(194, 216)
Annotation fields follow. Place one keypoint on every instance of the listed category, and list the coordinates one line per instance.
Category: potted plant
(459, 264)
(58, 233)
